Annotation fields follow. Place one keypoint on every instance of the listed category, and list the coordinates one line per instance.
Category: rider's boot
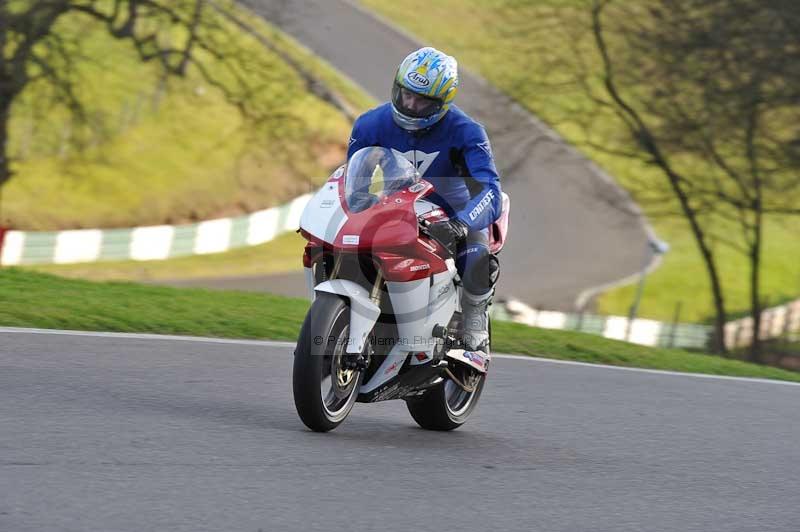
(475, 310)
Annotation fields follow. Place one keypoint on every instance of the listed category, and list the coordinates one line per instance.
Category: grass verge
(126, 307)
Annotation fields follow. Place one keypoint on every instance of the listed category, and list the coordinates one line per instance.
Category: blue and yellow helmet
(424, 86)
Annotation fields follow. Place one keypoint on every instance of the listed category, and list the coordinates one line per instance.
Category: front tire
(324, 390)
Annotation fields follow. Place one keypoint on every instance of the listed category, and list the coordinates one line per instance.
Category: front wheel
(325, 390)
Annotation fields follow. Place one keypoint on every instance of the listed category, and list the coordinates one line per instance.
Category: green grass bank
(46, 301)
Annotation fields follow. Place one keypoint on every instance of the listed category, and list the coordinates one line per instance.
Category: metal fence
(149, 243)
(639, 331)
(780, 322)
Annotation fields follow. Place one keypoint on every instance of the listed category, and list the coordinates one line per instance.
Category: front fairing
(390, 223)
(324, 214)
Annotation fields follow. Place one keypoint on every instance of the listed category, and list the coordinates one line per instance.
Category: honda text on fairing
(385, 322)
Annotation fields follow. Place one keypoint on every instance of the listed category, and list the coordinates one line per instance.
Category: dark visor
(414, 105)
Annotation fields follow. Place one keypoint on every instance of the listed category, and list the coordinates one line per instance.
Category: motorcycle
(385, 318)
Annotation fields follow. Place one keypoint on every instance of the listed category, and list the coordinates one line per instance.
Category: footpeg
(359, 364)
(448, 335)
(439, 331)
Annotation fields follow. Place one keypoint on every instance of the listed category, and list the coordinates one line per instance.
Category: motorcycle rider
(452, 151)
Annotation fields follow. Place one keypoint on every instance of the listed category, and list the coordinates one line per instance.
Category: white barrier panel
(794, 316)
(263, 226)
(645, 332)
(152, 243)
(551, 320)
(521, 312)
(616, 327)
(78, 246)
(776, 321)
(731, 331)
(213, 236)
(13, 245)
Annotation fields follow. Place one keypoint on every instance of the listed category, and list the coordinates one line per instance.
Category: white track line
(273, 343)
(644, 370)
(141, 336)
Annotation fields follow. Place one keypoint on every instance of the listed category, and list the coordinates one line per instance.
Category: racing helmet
(425, 84)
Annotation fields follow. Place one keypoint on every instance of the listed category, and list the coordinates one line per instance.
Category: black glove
(450, 233)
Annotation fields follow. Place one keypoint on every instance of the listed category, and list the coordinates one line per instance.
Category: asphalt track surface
(129, 433)
(571, 227)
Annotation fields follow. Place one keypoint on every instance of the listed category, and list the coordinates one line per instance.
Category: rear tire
(324, 391)
(447, 406)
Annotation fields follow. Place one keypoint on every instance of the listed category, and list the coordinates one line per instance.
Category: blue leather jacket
(454, 155)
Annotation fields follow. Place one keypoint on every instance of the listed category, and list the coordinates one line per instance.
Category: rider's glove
(450, 233)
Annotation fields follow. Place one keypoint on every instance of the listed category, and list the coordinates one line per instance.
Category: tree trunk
(718, 345)
(718, 342)
(756, 229)
(5, 99)
(647, 142)
(755, 292)
(5, 167)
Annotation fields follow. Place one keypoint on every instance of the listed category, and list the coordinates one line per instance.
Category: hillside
(503, 40)
(153, 152)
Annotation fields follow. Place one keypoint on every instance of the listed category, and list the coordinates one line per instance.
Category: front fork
(365, 307)
(360, 361)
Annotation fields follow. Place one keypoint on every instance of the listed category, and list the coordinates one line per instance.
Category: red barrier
(3, 231)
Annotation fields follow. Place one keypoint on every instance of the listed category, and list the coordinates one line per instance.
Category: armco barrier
(643, 332)
(776, 322)
(149, 243)
(781, 321)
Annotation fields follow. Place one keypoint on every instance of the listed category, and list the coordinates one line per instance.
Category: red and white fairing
(371, 248)
(418, 272)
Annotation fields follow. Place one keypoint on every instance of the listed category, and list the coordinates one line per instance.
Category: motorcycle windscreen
(374, 173)
(380, 187)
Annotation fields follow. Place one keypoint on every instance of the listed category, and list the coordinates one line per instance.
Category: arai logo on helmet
(415, 78)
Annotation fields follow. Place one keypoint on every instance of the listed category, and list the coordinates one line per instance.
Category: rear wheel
(325, 390)
(448, 405)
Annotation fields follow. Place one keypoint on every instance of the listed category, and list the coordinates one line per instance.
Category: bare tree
(178, 36)
(707, 92)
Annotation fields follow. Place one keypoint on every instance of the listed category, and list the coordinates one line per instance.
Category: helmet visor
(414, 105)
